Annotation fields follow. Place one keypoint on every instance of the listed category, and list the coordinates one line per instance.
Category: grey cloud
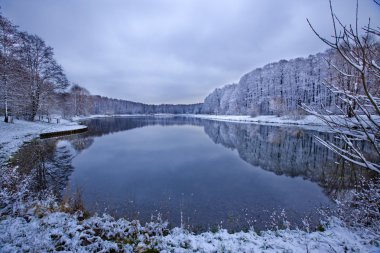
(169, 51)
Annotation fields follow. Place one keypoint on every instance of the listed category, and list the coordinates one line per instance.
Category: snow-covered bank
(66, 232)
(336, 238)
(309, 120)
(13, 135)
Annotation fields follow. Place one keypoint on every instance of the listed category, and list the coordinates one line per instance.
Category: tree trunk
(33, 112)
(6, 119)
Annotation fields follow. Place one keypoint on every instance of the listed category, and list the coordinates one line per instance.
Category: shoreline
(14, 135)
(308, 122)
(63, 132)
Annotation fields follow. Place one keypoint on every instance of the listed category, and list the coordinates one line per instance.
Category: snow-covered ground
(336, 238)
(60, 231)
(13, 135)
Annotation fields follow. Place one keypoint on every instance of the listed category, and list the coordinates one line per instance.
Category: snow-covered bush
(361, 207)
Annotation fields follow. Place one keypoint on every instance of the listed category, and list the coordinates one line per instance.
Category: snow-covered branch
(354, 79)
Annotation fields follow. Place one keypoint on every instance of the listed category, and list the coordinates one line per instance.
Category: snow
(336, 238)
(375, 64)
(309, 121)
(13, 135)
(69, 232)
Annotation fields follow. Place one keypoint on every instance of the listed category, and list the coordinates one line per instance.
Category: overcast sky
(175, 51)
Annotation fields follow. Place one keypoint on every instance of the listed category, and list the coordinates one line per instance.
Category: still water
(197, 173)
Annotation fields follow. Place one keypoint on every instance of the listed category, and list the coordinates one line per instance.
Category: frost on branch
(355, 80)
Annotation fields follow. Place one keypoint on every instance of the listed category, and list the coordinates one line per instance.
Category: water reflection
(173, 168)
(48, 164)
(289, 151)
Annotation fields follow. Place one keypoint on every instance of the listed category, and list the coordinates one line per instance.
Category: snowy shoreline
(14, 135)
(308, 122)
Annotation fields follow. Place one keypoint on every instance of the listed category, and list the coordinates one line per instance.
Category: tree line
(282, 87)
(80, 102)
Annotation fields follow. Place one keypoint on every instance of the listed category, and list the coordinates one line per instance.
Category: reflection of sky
(180, 168)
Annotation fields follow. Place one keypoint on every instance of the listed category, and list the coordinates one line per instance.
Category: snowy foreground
(31, 223)
(65, 232)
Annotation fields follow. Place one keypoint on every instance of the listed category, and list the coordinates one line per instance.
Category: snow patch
(13, 135)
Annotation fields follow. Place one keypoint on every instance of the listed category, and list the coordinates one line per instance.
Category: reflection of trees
(80, 144)
(287, 151)
(102, 126)
(282, 150)
(48, 162)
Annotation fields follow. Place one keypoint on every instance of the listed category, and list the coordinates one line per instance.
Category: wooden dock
(62, 133)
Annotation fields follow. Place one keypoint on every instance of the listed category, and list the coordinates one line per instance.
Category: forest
(282, 87)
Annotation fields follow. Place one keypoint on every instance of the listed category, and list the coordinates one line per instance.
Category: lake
(200, 174)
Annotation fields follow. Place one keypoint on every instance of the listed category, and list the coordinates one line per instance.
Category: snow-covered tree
(285, 84)
(45, 76)
(80, 98)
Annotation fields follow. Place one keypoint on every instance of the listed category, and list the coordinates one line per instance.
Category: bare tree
(43, 72)
(356, 83)
(8, 42)
(80, 97)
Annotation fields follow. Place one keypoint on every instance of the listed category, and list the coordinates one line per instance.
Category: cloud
(169, 51)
